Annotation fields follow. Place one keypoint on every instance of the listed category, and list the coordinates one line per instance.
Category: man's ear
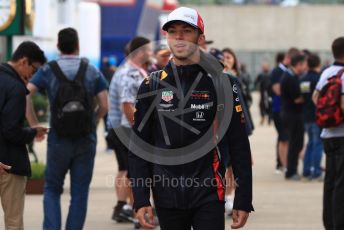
(78, 49)
(24, 61)
(201, 39)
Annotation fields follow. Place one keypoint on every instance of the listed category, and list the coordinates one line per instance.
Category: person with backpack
(329, 100)
(73, 85)
(314, 150)
(180, 117)
(14, 159)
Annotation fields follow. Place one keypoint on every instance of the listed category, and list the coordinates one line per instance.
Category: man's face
(301, 67)
(265, 67)
(146, 53)
(162, 57)
(27, 69)
(182, 39)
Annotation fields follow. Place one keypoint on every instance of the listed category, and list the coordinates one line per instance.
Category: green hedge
(40, 104)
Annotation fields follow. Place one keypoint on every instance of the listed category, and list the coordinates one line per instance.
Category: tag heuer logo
(167, 96)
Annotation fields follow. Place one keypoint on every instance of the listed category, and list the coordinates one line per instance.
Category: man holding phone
(14, 159)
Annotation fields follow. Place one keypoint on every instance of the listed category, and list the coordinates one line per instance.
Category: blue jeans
(77, 156)
(314, 151)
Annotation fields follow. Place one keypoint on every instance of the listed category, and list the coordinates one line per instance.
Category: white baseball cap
(187, 15)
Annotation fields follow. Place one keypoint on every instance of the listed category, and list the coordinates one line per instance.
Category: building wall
(261, 28)
(257, 33)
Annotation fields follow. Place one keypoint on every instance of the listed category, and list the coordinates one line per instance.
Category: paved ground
(279, 205)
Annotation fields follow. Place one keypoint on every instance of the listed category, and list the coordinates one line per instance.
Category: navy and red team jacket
(209, 168)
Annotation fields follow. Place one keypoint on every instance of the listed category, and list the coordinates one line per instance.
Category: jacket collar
(313, 71)
(282, 67)
(208, 64)
(338, 63)
(13, 73)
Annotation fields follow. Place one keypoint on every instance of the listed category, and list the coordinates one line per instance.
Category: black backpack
(72, 108)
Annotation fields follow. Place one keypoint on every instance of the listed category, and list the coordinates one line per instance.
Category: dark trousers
(207, 217)
(333, 211)
(282, 135)
(295, 131)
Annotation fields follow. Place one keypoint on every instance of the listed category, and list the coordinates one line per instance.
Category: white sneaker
(127, 207)
(280, 171)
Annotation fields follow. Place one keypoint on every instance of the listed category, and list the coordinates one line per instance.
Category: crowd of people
(168, 105)
(299, 95)
(286, 99)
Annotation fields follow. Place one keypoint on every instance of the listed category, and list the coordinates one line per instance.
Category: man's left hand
(239, 218)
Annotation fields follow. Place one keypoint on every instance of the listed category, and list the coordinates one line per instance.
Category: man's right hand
(3, 168)
(146, 223)
(41, 131)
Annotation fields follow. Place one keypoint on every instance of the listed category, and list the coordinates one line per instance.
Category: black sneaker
(295, 177)
(126, 215)
(120, 215)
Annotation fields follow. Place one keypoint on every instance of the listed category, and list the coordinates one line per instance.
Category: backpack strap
(340, 73)
(82, 70)
(62, 77)
(154, 79)
(57, 71)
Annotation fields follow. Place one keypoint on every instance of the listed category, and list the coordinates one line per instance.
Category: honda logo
(199, 115)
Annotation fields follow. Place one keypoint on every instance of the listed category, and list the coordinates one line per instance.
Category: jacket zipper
(182, 83)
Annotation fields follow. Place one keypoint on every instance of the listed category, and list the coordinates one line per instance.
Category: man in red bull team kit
(181, 116)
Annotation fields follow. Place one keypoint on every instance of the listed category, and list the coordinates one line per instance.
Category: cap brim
(168, 24)
(163, 52)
